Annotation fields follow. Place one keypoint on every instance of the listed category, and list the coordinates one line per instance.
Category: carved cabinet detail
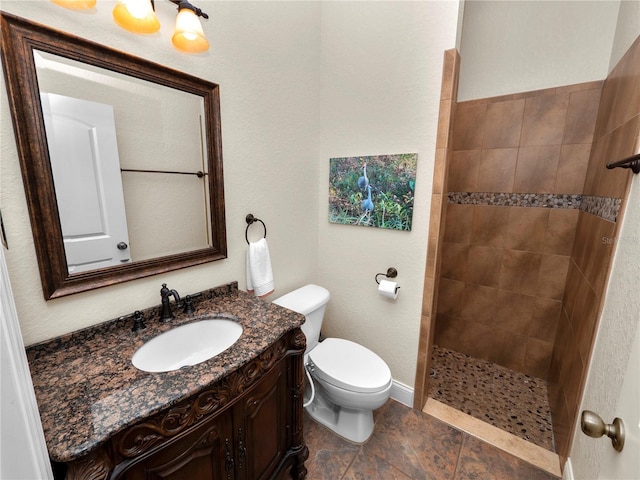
(247, 426)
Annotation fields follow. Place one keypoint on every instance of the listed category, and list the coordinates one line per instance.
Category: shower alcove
(516, 262)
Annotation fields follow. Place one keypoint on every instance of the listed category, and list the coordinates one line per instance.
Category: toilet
(349, 381)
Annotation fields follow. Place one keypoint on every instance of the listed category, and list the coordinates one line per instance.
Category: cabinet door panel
(260, 427)
(203, 454)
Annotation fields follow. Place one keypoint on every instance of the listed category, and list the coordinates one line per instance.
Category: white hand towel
(259, 273)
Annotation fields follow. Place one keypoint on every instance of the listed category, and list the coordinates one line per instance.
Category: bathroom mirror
(166, 172)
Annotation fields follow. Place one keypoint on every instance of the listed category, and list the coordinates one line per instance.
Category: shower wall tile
(619, 143)
(439, 168)
(544, 119)
(537, 168)
(514, 312)
(463, 170)
(538, 357)
(438, 215)
(479, 303)
(560, 232)
(544, 320)
(484, 265)
(489, 225)
(526, 229)
(616, 136)
(503, 124)
(553, 276)
(581, 116)
(497, 169)
(512, 262)
(455, 257)
(458, 223)
(520, 271)
(572, 168)
(468, 127)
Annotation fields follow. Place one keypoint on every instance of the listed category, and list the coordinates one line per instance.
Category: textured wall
(269, 101)
(510, 47)
(381, 77)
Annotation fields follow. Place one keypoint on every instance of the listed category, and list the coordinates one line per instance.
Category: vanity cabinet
(248, 426)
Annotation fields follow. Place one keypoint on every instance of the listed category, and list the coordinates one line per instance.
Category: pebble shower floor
(512, 401)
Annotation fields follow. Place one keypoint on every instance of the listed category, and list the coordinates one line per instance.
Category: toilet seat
(349, 366)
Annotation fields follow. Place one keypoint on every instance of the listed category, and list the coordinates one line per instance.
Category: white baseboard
(567, 473)
(402, 393)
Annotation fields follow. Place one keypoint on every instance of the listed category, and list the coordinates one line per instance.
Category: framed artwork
(373, 191)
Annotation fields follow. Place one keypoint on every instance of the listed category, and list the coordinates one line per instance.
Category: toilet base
(355, 426)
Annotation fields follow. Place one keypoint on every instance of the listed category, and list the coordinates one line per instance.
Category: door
(626, 464)
(86, 169)
(613, 384)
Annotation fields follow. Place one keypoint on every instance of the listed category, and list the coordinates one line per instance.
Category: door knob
(592, 425)
(122, 246)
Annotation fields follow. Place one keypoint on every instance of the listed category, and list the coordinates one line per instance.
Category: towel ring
(250, 219)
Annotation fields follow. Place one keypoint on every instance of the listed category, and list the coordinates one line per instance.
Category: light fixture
(137, 16)
(189, 36)
(76, 4)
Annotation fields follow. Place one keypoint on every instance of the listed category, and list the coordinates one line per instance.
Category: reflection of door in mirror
(83, 151)
(157, 129)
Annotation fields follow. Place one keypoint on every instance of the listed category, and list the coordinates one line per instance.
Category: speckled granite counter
(88, 390)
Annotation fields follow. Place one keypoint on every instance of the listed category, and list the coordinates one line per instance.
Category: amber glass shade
(76, 4)
(189, 36)
(137, 16)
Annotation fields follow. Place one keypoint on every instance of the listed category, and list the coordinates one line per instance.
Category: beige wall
(269, 102)
(520, 46)
(380, 84)
(282, 119)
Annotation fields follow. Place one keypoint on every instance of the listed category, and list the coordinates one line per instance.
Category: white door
(84, 158)
(626, 464)
(613, 384)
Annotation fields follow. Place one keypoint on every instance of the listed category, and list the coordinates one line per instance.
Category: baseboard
(402, 393)
(567, 473)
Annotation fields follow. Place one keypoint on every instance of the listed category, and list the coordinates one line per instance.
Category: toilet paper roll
(388, 289)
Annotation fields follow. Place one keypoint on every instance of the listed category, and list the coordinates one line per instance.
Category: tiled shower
(526, 220)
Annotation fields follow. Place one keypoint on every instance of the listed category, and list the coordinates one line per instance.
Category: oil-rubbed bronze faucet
(165, 293)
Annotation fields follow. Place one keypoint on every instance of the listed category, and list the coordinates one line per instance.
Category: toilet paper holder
(391, 273)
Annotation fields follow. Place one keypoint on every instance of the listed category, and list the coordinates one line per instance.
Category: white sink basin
(187, 345)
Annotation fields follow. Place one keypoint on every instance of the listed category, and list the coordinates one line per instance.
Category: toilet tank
(311, 301)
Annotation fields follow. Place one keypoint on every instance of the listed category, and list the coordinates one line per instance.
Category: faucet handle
(188, 303)
(138, 321)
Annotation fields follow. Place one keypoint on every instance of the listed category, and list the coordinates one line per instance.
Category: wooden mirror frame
(19, 38)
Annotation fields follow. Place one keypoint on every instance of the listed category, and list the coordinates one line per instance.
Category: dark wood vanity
(235, 416)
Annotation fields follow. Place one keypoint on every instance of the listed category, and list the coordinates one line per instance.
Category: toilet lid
(350, 366)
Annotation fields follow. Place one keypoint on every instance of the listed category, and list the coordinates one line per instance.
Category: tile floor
(512, 401)
(411, 445)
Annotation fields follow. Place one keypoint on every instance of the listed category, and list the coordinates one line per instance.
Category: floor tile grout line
(455, 467)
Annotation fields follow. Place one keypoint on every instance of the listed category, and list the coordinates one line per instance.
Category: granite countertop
(88, 390)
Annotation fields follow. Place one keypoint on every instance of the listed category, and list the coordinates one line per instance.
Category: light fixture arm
(185, 4)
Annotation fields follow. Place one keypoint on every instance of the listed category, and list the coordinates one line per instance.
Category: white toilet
(350, 380)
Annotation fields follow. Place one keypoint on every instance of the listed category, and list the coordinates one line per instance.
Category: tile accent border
(604, 207)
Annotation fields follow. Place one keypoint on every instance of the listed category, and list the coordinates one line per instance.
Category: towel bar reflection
(250, 219)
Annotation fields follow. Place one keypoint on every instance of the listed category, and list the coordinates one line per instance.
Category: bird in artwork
(367, 204)
(363, 182)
